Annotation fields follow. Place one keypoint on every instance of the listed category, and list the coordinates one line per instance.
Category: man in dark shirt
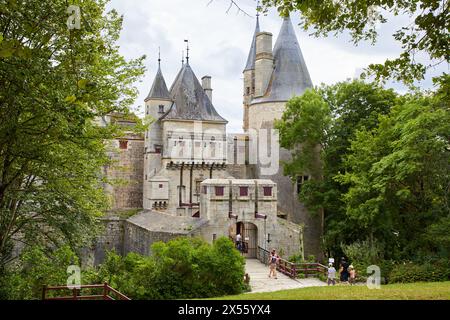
(344, 270)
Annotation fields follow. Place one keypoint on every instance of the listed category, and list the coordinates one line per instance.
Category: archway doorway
(249, 236)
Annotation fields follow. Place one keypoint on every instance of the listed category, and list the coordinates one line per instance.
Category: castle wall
(262, 116)
(126, 171)
(284, 235)
(111, 238)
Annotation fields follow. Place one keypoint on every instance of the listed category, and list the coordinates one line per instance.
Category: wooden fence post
(44, 289)
(105, 291)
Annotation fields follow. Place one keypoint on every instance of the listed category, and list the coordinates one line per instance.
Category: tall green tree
(428, 31)
(55, 80)
(399, 178)
(322, 122)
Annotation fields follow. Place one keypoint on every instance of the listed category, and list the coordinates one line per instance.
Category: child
(331, 274)
(273, 264)
(352, 272)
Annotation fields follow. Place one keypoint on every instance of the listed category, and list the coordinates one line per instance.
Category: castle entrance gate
(249, 234)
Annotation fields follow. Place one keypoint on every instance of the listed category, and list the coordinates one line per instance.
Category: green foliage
(399, 177)
(179, 269)
(343, 109)
(38, 267)
(385, 168)
(427, 272)
(362, 254)
(428, 33)
(55, 84)
(303, 128)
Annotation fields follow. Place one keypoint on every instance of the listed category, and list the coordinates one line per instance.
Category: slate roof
(190, 101)
(290, 76)
(252, 53)
(159, 88)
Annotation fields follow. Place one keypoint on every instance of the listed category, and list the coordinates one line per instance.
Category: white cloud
(219, 44)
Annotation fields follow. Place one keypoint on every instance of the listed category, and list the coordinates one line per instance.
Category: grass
(408, 291)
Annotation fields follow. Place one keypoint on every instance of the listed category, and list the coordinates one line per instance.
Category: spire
(252, 53)
(290, 76)
(159, 87)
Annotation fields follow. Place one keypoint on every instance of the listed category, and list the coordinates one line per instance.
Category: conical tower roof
(290, 76)
(190, 101)
(159, 88)
(252, 53)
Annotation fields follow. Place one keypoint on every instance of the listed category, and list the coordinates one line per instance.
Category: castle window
(243, 191)
(219, 191)
(158, 149)
(161, 186)
(123, 144)
(267, 191)
(300, 181)
(205, 190)
(248, 90)
(161, 108)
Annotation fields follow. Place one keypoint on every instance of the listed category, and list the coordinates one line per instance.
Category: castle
(187, 176)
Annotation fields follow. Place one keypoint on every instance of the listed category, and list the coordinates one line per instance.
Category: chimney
(206, 84)
(263, 63)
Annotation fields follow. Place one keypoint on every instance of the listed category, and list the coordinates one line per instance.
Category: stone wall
(111, 238)
(126, 172)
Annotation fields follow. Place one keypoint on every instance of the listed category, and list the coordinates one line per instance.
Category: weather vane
(187, 50)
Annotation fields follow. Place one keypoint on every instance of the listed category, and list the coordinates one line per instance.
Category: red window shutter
(123, 144)
(219, 191)
(267, 191)
(243, 191)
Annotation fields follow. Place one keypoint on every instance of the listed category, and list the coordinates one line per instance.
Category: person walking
(331, 274)
(239, 242)
(273, 260)
(352, 273)
(343, 271)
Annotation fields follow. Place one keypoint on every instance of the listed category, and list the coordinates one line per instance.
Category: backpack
(273, 259)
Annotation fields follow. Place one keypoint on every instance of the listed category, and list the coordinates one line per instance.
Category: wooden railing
(108, 293)
(292, 269)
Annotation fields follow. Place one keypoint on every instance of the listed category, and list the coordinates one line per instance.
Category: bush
(361, 254)
(428, 272)
(36, 267)
(183, 268)
(296, 258)
(179, 269)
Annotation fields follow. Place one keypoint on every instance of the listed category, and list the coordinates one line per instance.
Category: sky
(219, 43)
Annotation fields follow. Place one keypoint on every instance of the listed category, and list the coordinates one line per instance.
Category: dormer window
(161, 108)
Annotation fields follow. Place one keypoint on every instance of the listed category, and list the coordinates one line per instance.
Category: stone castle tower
(272, 76)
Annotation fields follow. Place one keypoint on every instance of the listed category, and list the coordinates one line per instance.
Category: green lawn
(410, 291)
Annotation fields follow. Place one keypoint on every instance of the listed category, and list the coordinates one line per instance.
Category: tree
(328, 117)
(428, 31)
(399, 177)
(55, 81)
